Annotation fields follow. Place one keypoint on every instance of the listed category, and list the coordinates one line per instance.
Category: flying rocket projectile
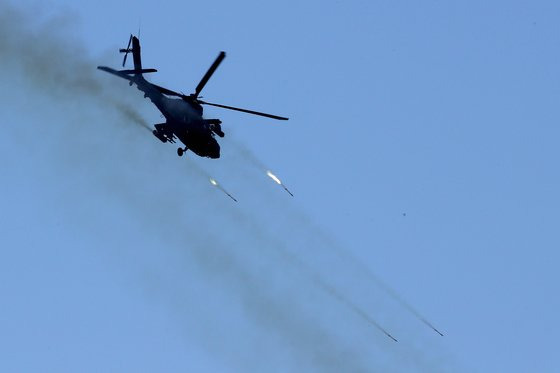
(215, 183)
(277, 180)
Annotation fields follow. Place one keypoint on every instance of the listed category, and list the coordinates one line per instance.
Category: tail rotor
(127, 50)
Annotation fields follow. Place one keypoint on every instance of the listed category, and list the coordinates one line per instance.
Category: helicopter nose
(214, 152)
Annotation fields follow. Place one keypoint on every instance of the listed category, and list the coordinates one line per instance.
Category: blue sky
(119, 256)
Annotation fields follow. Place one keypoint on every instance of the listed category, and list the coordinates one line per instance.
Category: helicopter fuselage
(183, 120)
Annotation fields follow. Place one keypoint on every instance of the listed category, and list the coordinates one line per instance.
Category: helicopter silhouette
(183, 115)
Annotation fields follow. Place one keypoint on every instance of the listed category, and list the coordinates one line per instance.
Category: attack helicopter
(183, 115)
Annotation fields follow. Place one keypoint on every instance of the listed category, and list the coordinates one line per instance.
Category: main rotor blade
(209, 73)
(169, 92)
(243, 110)
(127, 49)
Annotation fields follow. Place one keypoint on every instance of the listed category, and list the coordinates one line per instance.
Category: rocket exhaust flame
(215, 183)
(273, 177)
(277, 180)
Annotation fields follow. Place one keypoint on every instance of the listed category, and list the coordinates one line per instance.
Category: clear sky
(422, 146)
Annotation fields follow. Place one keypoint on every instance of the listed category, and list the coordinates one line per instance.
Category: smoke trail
(46, 60)
(129, 113)
(356, 263)
(390, 291)
(252, 159)
(333, 292)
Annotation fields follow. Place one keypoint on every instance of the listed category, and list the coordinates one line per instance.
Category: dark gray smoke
(55, 66)
(132, 115)
(290, 315)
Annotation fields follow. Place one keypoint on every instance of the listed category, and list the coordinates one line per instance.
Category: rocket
(277, 180)
(215, 183)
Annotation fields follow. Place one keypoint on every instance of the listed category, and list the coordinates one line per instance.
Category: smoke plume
(289, 316)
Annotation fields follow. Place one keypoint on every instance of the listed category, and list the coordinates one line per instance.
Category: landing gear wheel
(180, 152)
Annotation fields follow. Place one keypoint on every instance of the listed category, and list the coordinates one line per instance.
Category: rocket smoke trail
(359, 311)
(352, 306)
(390, 291)
(253, 160)
(296, 262)
(341, 252)
(129, 113)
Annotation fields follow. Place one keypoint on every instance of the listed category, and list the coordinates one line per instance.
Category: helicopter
(183, 115)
